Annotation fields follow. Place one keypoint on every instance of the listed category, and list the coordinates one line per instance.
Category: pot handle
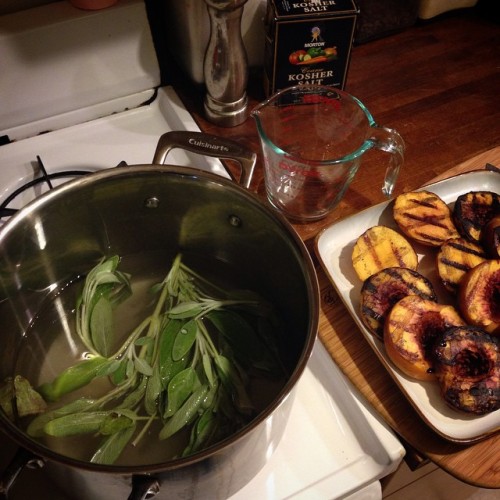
(23, 458)
(144, 487)
(208, 145)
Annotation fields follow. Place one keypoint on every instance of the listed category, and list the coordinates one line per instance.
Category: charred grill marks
(426, 219)
(455, 264)
(466, 249)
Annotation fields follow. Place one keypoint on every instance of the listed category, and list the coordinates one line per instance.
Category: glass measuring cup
(313, 138)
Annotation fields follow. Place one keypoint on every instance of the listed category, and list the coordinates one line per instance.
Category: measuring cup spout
(388, 140)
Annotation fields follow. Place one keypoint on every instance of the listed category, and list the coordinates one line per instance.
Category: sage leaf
(211, 397)
(205, 424)
(122, 291)
(153, 390)
(102, 284)
(130, 368)
(115, 422)
(142, 366)
(132, 415)
(108, 368)
(18, 398)
(184, 340)
(179, 389)
(185, 414)
(72, 378)
(168, 366)
(36, 426)
(28, 401)
(105, 278)
(202, 432)
(172, 279)
(75, 424)
(119, 375)
(101, 326)
(135, 397)
(144, 341)
(112, 447)
(207, 368)
(185, 310)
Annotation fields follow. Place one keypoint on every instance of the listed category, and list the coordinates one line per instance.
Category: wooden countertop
(437, 84)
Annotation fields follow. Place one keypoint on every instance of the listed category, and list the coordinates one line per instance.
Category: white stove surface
(129, 136)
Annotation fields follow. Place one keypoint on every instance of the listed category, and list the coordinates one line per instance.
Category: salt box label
(308, 42)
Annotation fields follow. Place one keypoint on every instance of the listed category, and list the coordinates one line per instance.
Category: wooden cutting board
(477, 464)
(476, 163)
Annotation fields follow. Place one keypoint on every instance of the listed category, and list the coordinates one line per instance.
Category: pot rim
(313, 321)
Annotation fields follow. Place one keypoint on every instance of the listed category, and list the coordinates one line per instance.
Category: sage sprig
(104, 288)
(185, 366)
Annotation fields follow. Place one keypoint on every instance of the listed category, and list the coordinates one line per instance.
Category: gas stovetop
(129, 136)
(81, 102)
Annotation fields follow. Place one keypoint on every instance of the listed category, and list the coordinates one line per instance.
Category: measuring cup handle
(388, 140)
(208, 145)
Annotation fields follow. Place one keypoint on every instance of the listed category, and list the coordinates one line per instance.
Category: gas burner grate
(45, 178)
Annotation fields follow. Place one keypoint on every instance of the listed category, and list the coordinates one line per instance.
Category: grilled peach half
(467, 365)
(479, 296)
(387, 287)
(424, 217)
(473, 210)
(454, 258)
(410, 331)
(380, 247)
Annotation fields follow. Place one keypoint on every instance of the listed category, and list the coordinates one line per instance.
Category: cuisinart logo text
(314, 5)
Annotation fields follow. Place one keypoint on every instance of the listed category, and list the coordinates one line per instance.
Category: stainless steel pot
(139, 209)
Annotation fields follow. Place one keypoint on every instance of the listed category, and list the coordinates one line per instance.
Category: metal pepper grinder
(226, 65)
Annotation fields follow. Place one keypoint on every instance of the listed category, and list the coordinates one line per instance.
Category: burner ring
(7, 212)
